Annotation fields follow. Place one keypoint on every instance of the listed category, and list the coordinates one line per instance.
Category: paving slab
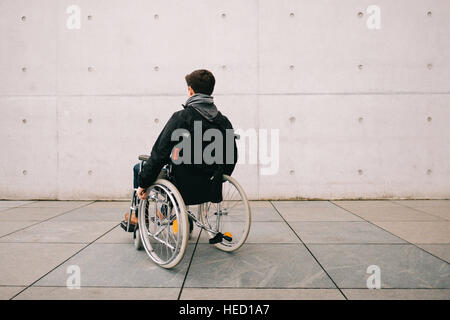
(7, 293)
(110, 204)
(260, 294)
(7, 227)
(256, 266)
(12, 203)
(117, 235)
(260, 204)
(23, 263)
(265, 214)
(424, 203)
(439, 250)
(118, 265)
(397, 294)
(61, 232)
(263, 232)
(31, 214)
(401, 265)
(342, 232)
(317, 214)
(438, 208)
(443, 213)
(88, 293)
(348, 204)
(90, 213)
(392, 214)
(56, 204)
(419, 232)
(271, 232)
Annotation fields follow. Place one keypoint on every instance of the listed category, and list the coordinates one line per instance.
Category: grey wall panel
(28, 144)
(359, 112)
(326, 47)
(100, 139)
(386, 146)
(27, 47)
(149, 46)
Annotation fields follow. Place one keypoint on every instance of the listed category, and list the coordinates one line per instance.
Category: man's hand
(142, 193)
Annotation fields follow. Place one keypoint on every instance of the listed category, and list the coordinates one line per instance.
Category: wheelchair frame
(222, 240)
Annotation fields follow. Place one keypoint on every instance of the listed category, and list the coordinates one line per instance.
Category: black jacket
(197, 183)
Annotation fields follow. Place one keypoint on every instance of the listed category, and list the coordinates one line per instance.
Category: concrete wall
(361, 112)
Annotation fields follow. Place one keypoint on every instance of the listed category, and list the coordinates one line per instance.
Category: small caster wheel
(137, 240)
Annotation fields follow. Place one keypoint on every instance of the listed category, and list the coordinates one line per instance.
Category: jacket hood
(204, 104)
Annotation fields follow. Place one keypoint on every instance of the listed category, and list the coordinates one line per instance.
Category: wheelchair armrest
(144, 157)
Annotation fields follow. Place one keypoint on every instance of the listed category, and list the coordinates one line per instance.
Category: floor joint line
(30, 285)
(375, 225)
(310, 252)
(189, 266)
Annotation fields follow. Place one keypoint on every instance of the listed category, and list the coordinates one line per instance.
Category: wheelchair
(163, 219)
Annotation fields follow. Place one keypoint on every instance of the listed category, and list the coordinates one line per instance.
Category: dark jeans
(135, 175)
(136, 169)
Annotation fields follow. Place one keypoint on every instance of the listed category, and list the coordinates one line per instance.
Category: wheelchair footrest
(218, 238)
(124, 224)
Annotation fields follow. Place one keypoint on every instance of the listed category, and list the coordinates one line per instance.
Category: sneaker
(133, 223)
(134, 219)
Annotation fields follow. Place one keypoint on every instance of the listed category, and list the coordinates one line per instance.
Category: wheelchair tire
(231, 217)
(137, 240)
(163, 224)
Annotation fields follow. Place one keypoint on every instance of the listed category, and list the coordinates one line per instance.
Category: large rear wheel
(163, 224)
(231, 217)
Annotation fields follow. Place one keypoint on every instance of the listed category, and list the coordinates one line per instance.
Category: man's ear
(191, 91)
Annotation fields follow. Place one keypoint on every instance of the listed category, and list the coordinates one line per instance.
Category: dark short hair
(201, 81)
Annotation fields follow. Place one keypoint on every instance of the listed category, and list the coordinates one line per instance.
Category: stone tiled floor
(295, 250)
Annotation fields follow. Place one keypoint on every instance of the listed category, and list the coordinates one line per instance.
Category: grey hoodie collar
(204, 104)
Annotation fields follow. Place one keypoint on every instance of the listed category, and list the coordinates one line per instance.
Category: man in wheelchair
(182, 144)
